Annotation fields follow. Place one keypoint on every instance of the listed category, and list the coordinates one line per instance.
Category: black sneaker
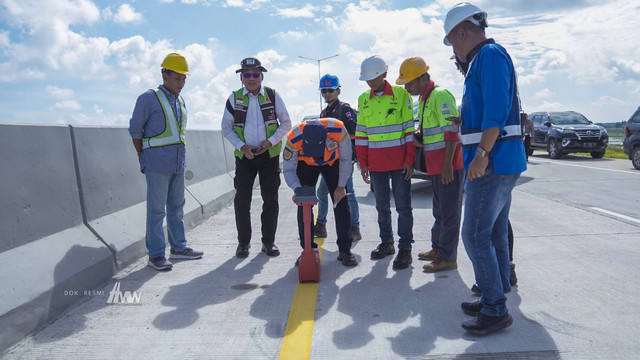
(476, 290)
(384, 249)
(320, 230)
(403, 260)
(186, 254)
(471, 308)
(513, 279)
(347, 258)
(160, 263)
(484, 324)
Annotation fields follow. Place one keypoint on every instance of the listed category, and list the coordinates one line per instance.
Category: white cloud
(67, 105)
(65, 97)
(127, 14)
(4, 39)
(59, 93)
(542, 94)
(307, 11)
(291, 35)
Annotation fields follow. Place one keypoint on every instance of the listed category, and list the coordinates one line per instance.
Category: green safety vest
(173, 132)
(439, 105)
(268, 109)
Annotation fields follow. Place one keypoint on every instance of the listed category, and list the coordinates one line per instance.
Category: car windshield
(568, 119)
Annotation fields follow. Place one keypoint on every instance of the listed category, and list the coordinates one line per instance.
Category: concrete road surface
(577, 250)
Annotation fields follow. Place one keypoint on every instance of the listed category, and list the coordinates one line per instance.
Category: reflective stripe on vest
(509, 132)
(173, 133)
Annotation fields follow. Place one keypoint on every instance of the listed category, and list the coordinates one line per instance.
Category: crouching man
(322, 147)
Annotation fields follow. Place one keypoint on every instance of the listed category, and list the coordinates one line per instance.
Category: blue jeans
(323, 203)
(485, 236)
(402, 195)
(164, 191)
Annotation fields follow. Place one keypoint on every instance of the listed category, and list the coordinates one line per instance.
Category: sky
(84, 62)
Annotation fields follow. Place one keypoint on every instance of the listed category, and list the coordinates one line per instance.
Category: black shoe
(384, 249)
(513, 280)
(347, 258)
(476, 290)
(271, 249)
(484, 324)
(403, 259)
(471, 308)
(242, 251)
(320, 230)
(298, 261)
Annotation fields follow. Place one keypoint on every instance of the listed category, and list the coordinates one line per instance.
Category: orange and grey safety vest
(173, 131)
(268, 109)
(335, 133)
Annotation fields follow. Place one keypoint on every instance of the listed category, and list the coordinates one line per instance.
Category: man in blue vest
(494, 157)
(157, 130)
(330, 89)
(255, 120)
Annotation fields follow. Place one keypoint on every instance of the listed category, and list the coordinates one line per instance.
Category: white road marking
(628, 218)
(586, 167)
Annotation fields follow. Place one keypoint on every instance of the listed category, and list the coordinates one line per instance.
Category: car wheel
(635, 158)
(598, 154)
(554, 149)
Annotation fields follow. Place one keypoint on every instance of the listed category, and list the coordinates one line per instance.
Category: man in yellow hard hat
(157, 129)
(255, 120)
(443, 158)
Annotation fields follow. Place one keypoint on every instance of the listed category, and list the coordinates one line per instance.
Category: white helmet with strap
(463, 12)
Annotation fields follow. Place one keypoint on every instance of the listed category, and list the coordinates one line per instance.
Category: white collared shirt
(255, 132)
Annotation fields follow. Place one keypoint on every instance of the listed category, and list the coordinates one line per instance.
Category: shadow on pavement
(222, 284)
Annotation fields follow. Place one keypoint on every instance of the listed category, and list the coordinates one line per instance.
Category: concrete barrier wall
(73, 212)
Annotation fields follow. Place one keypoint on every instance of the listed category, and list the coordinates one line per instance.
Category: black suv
(631, 143)
(564, 132)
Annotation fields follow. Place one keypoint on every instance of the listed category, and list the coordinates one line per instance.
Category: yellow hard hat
(176, 62)
(411, 69)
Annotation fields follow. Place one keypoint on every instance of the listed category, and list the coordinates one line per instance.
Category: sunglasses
(327, 91)
(248, 75)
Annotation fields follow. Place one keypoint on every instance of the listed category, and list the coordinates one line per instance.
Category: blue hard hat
(314, 137)
(329, 81)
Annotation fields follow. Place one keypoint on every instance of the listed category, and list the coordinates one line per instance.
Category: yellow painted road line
(296, 343)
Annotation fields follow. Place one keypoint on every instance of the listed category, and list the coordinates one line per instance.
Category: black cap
(251, 63)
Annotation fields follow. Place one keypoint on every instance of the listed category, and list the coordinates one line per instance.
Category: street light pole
(318, 60)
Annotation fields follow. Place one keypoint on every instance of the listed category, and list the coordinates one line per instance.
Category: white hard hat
(461, 12)
(372, 67)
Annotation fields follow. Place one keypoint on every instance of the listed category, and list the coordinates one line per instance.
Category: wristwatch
(482, 153)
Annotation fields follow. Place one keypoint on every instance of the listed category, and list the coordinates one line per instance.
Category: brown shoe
(439, 265)
(428, 255)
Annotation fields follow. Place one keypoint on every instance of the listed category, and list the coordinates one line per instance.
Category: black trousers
(268, 171)
(308, 175)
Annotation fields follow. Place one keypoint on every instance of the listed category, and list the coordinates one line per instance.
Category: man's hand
(248, 151)
(339, 194)
(407, 170)
(365, 175)
(447, 173)
(454, 119)
(264, 146)
(477, 167)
